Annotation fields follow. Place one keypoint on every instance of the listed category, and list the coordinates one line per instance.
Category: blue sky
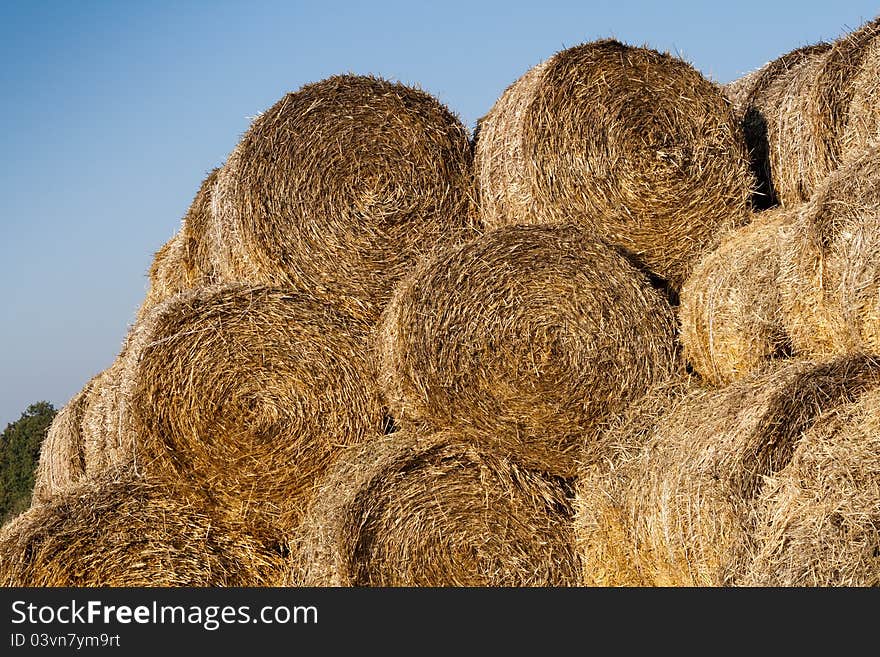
(114, 112)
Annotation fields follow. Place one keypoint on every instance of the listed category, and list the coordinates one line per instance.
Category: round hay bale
(819, 516)
(833, 93)
(730, 310)
(606, 551)
(199, 234)
(435, 509)
(862, 128)
(340, 187)
(532, 335)
(105, 443)
(62, 452)
(771, 104)
(131, 532)
(169, 273)
(634, 144)
(739, 90)
(830, 276)
(687, 500)
(248, 393)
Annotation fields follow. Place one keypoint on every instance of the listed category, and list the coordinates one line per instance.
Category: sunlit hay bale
(105, 443)
(248, 393)
(771, 104)
(605, 546)
(834, 90)
(688, 496)
(634, 144)
(863, 118)
(730, 310)
(532, 335)
(131, 532)
(169, 273)
(819, 516)
(435, 509)
(739, 89)
(62, 452)
(199, 234)
(830, 276)
(340, 187)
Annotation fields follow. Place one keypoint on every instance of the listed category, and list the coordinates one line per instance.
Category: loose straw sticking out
(533, 335)
(730, 308)
(818, 517)
(62, 453)
(121, 530)
(634, 144)
(682, 494)
(340, 187)
(248, 393)
(830, 278)
(435, 509)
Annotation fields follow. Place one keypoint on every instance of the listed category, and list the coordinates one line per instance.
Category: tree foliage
(19, 454)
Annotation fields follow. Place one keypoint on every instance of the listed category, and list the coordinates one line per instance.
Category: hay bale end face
(532, 335)
(818, 517)
(128, 531)
(685, 493)
(248, 393)
(730, 311)
(635, 144)
(340, 187)
(435, 509)
(830, 278)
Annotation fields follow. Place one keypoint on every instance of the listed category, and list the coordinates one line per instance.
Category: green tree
(19, 455)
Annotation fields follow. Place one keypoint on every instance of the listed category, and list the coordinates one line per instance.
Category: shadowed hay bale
(636, 145)
(127, 531)
(606, 553)
(422, 509)
(62, 452)
(248, 393)
(533, 335)
(773, 111)
(820, 515)
(687, 499)
(730, 310)
(830, 276)
(340, 187)
(833, 93)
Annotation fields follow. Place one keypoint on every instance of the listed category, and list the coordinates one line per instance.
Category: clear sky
(114, 112)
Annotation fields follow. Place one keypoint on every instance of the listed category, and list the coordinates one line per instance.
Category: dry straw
(340, 187)
(819, 516)
(830, 276)
(774, 105)
(532, 335)
(62, 452)
(731, 307)
(436, 509)
(684, 487)
(105, 444)
(634, 144)
(120, 530)
(248, 393)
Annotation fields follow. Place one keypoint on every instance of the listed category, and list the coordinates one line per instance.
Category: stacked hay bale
(635, 145)
(128, 530)
(532, 335)
(340, 187)
(730, 308)
(672, 500)
(830, 276)
(418, 508)
(818, 517)
(247, 392)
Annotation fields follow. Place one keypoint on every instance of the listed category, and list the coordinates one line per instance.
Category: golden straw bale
(104, 441)
(730, 310)
(417, 508)
(340, 187)
(830, 275)
(819, 516)
(62, 452)
(684, 494)
(248, 393)
(533, 335)
(123, 530)
(863, 119)
(634, 144)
